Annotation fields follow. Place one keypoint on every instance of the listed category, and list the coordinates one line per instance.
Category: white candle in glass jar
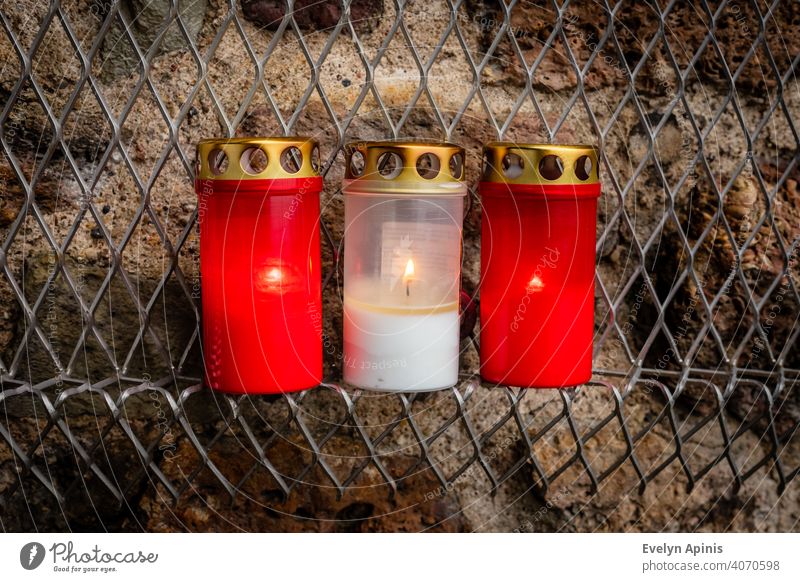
(397, 339)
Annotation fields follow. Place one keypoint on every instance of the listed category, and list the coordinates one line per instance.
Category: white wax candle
(400, 348)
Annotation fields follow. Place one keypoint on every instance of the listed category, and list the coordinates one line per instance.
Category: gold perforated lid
(257, 158)
(546, 164)
(387, 168)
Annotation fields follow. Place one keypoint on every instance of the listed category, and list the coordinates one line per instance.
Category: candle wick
(408, 291)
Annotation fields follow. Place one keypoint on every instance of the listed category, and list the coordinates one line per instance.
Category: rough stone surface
(146, 19)
(314, 15)
(60, 192)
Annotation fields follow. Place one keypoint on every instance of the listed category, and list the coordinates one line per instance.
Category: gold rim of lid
(522, 163)
(257, 158)
(400, 167)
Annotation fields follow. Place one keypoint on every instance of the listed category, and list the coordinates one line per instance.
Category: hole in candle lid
(551, 167)
(456, 166)
(583, 167)
(292, 159)
(390, 165)
(487, 166)
(428, 166)
(512, 166)
(315, 163)
(217, 161)
(253, 161)
(356, 163)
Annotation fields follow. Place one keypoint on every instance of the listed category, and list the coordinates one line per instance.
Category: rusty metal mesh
(333, 437)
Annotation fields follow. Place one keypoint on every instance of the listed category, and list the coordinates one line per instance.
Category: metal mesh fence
(709, 351)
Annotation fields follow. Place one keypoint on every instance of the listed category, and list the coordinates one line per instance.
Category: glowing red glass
(537, 282)
(261, 286)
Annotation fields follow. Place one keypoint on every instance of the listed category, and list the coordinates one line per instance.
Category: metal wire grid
(467, 406)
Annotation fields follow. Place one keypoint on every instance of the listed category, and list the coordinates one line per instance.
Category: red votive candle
(258, 212)
(537, 264)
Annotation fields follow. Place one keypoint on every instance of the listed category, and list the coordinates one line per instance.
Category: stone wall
(91, 172)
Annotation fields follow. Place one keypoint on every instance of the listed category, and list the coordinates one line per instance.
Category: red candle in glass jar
(537, 264)
(258, 213)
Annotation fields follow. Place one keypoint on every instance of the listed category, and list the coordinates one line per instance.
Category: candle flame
(274, 275)
(275, 278)
(409, 270)
(535, 284)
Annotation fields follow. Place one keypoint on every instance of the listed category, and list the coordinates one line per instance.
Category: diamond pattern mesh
(697, 277)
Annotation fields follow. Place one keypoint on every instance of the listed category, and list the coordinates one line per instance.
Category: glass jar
(538, 264)
(258, 213)
(404, 205)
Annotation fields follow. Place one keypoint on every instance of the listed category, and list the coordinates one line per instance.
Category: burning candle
(537, 264)
(403, 214)
(408, 275)
(259, 258)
